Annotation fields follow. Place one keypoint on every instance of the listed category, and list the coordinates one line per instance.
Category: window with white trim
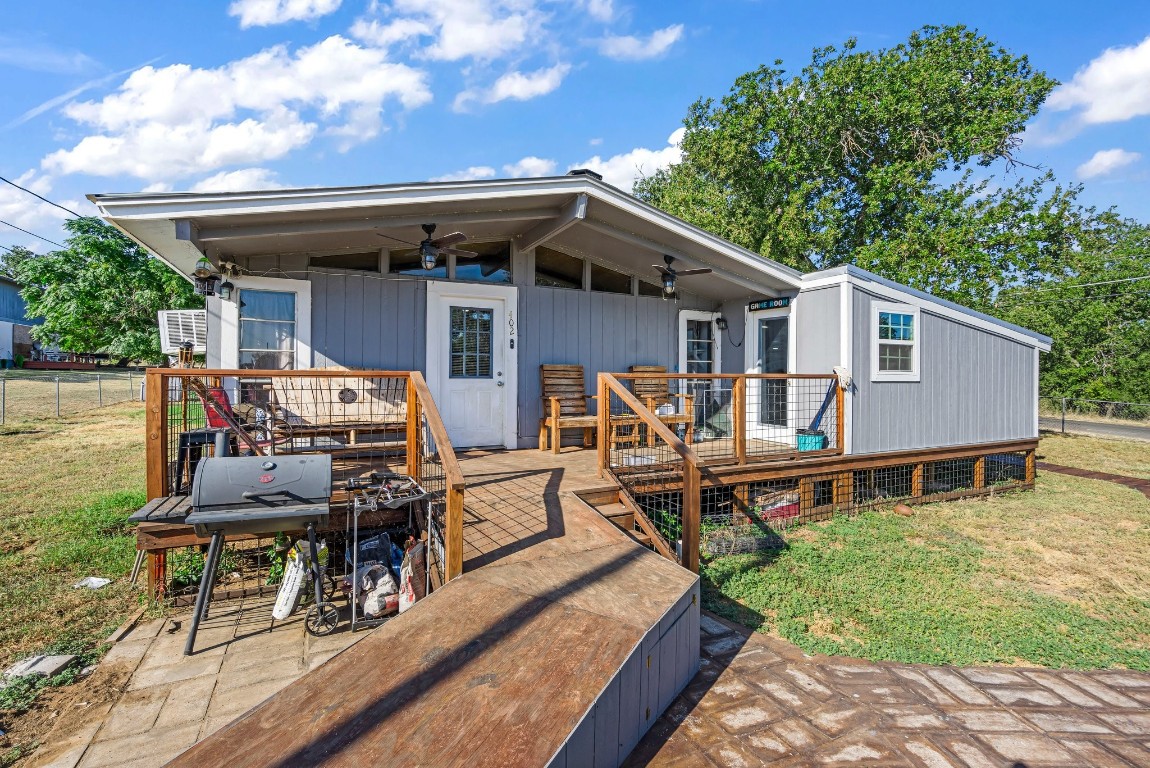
(895, 337)
(267, 329)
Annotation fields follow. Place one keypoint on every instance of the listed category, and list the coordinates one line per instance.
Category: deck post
(843, 489)
(840, 419)
(414, 424)
(603, 412)
(454, 524)
(156, 427)
(1030, 469)
(741, 503)
(739, 414)
(692, 512)
(980, 472)
(916, 480)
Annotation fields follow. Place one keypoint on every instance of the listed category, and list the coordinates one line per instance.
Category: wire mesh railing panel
(1098, 418)
(360, 419)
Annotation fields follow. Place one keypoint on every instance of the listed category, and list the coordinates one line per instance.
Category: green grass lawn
(1055, 577)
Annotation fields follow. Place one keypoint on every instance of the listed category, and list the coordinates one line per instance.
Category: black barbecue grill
(256, 494)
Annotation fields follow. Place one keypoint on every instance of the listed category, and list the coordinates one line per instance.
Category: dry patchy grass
(1119, 457)
(67, 486)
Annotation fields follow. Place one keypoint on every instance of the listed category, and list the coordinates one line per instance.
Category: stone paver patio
(760, 701)
(171, 701)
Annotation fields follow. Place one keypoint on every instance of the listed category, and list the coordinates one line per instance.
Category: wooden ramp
(561, 645)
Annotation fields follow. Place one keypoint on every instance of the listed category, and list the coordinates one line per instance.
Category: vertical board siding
(974, 387)
(365, 322)
(818, 325)
(600, 331)
(12, 306)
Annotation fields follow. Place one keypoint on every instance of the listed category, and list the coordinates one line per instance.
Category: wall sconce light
(225, 290)
(721, 323)
(203, 268)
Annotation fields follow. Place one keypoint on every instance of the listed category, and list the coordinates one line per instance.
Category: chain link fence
(1098, 418)
(31, 396)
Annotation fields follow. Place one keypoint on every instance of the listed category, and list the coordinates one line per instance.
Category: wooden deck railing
(725, 420)
(366, 419)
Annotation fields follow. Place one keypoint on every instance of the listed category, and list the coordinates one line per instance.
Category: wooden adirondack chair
(655, 392)
(565, 407)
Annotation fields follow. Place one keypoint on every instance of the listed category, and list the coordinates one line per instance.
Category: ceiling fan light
(428, 258)
(668, 285)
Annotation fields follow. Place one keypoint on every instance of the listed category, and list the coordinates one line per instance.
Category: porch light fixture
(225, 290)
(203, 268)
(720, 321)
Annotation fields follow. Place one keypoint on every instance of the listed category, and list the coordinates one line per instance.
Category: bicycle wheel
(321, 619)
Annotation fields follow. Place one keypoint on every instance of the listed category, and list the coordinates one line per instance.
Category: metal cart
(377, 492)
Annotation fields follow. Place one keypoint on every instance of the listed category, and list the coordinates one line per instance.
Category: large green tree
(1097, 310)
(101, 293)
(883, 159)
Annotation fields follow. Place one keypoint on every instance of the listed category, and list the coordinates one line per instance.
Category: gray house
(562, 270)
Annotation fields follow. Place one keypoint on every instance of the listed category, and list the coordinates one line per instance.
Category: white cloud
(1107, 161)
(37, 57)
(27, 212)
(1113, 87)
(179, 121)
(600, 10)
(530, 166)
(264, 13)
(470, 174)
(632, 48)
(624, 170)
(595, 141)
(480, 29)
(243, 180)
(515, 85)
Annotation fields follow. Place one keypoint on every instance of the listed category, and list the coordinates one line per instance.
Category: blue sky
(240, 94)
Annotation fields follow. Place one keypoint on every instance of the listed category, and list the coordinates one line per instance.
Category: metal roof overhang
(575, 213)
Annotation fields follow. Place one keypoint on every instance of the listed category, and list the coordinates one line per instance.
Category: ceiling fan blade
(686, 272)
(452, 239)
(662, 270)
(396, 239)
(459, 253)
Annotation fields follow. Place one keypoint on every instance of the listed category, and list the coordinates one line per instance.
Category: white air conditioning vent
(180, 325)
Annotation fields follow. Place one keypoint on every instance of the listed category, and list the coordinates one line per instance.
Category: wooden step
(618, 514)
(641, 537)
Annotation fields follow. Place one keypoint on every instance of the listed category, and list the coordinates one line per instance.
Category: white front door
(471, 361)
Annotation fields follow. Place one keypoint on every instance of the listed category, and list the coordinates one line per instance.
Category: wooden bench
(655, 392)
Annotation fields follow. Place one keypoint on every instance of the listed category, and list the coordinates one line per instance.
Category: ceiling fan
(430, 249)
(670, 274)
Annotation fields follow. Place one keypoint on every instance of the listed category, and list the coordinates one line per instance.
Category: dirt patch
(58, 713)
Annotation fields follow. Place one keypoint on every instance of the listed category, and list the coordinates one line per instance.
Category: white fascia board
(888, 289)
(176, 205)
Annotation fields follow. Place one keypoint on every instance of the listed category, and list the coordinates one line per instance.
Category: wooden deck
(560, 645)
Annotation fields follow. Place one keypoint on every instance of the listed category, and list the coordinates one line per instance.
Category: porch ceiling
(574, 213)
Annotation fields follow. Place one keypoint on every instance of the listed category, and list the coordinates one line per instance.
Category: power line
(1088, 285)
(41, 197)
(33, 234)
(1030, 302)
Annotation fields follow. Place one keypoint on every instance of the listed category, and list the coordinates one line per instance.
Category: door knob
(499, 383)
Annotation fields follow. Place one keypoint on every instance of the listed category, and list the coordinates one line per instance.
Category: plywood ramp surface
(540, 657)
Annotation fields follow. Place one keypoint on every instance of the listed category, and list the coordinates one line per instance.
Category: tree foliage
(101, 293)
(883, 160)
(1097, 311)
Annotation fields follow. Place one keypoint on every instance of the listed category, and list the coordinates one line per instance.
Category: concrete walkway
(760, 701)
(171, 701)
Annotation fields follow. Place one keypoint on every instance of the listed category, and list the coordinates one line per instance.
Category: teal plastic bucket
(810, 439)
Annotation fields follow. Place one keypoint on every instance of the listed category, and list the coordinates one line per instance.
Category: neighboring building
(15, 326)
(333, 277)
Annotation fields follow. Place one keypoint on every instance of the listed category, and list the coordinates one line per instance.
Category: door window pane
(557, 270)
(700, 346)
(773, 353)
(492, 265)
(609, 281)
(267, 329)
(471, 330)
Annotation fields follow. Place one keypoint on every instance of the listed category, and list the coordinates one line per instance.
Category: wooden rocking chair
(656, 392)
